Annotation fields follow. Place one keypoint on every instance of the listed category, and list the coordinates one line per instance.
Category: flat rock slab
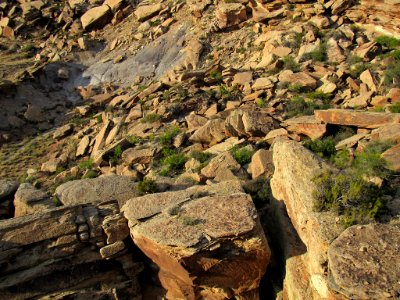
(364, 262)
(7, 187)
(97, 190)
(356, 118)
(146, 206)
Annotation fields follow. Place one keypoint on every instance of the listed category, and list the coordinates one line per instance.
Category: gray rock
(97, 190)
(7, 187)
(30, 200)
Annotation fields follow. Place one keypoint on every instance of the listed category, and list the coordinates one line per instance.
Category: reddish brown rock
(230, 14)
(392, 156)
(306, 125)
(261, 163)
(356, 118)
(206, 240)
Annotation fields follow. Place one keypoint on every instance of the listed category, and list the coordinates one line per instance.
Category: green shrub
(90, 174)
(392, 74)
(319, 54)
(216, 75)
(242, 155)
(297, 106)
(134, 140)
(323, 147)
(115, 157)
(387, 41)
(147, 186)
(395, 108)
(260, 102)
(173, 162)
(370, 163)
(151, 118)
(297, 88)
(168, 136)
(290, 64)
(86, 164)
(349, 195)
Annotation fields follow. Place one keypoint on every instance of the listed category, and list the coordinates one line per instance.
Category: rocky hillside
(241, 149)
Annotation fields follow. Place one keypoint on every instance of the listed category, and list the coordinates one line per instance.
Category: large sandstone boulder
(211, 132)
(97, 190)
(306, 125)
(207, 240)
(292, 183)
(96, 17)
(364, 262)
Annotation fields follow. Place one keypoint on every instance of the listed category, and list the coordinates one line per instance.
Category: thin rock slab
(364, 262)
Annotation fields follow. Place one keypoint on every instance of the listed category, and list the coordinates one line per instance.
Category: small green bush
(151, 118)
(260, 102)
(297, 106)
(86, 164)
(134, 140)
(387, 41)
(370, 163)
(395, 108)
(392, 74)
(323, 147)
(147, 186)
(242, 155)
(168, 136)
(319, 54)
(349, 195)
(115, 157)
(216, 75)
(90, 174)
(173, 162)
(290, 64)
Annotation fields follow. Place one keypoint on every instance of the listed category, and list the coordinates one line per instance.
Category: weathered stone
(306, 125)
(281, 132)
(262, 83)
(114, 4)
(356, 118)
(96, 17)
(220, 162)
(172, 236)
(63, 131)
(340, 6)
(101, 137)
(230, 14)
(243, 78)
(292, 183)
(350, 142)
(195, 121)
(248, 123)
(51, 166)
(212, 132)
(83, 146)
(112, 249)
(364, 260)
(146, 11)
(360, 101)
(97, 190)
(367, 78)
(302, 79)
(7, 187)
(392, 156)
(261, 163)
(29, 200)
(138, 156)
(116, 228)
(386, 133)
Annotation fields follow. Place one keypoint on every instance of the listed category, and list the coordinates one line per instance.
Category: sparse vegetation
(168, 136)
(347, 190)
(151, 118)
(115, 157)
(387, 41)
(172, 162)
(147, 186)
(86, 164)
(242, 155)
(290, 64)
(320, 54)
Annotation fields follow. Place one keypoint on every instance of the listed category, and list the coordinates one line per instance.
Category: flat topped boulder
(364, 262)
(207, 240)
(361, 119)
(7, 187)
(214, 216)
(149, 205)
(97, 190)
(96, 17)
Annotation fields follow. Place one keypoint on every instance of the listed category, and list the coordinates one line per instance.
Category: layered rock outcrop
(56, 254)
